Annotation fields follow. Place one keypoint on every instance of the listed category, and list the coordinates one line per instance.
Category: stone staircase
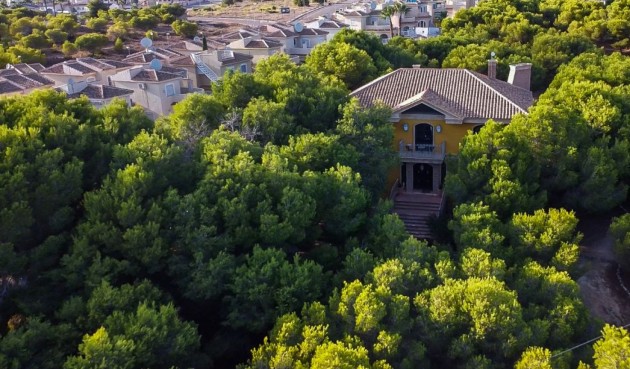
(415, 209)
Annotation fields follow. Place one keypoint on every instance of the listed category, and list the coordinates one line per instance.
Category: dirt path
(600, 288)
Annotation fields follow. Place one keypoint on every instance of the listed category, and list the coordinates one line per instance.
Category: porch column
(409, 170)
(437, 177)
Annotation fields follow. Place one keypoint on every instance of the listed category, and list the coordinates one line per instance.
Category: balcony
(433, 154)
(298, 50)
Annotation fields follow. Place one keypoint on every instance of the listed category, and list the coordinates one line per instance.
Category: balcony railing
(420, 151)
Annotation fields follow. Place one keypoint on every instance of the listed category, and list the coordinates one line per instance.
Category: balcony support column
(437, 176)
(409, 170)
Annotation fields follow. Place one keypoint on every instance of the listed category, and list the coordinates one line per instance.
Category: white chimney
(492, 68)
(521, 75)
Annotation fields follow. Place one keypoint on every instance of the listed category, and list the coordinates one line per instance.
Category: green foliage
(267, 286)
(56, 36)
(97, 24)
(613, 351)
(64, 22)
(351, 65)
(371, 133)
(91, 42)
(119, 29)
(267, 121)
(118, 45)
(36, 40)
(620, 230)
(150, 336)
(184, 28)
(94, 6)
(535, 357)
(68, 48)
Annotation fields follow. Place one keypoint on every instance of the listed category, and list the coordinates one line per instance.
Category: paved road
(244, 21)
(253, 22)
(323, 11)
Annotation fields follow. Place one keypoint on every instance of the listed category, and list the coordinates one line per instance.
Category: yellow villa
(433, 109)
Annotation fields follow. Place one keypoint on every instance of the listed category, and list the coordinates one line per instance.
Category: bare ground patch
(601, 291)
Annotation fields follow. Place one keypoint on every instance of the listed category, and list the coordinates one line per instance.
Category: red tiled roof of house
(460, 92)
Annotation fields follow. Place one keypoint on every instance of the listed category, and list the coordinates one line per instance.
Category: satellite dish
(155, 64)
(373, 5)
(146, 42)
(492, 55)
(298, 27)
(197, 39)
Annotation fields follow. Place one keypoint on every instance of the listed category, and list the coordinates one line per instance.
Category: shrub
(56, 36)
(118, 45)
(97, 24)
(91, 42)
(118, 30)
(36, 40)
(68, 48)
(620, 230)
(184, 28)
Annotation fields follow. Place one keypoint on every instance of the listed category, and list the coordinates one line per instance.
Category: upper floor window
(244, 68)
(169, 89)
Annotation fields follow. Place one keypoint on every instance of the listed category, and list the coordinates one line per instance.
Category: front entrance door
(403, 175)
(423, 177)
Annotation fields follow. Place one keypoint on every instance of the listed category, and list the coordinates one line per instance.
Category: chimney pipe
(521, 75)
(492, 68)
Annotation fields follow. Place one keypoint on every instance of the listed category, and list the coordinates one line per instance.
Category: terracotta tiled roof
(24, 81)
(150, 75)
(312, 32)
(28, 68)
(185, 61)
(101, 92)
(236, 59)
(460, 92)
(142, 58)
(19, 82)
(179, 71)
(239, 35)
(82, 66)
(8, 72)
(262, 44)
(281, 33)
(8, 87)
(331, 25)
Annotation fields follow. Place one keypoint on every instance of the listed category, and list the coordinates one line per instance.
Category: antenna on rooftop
(146, 43)
(155, 64)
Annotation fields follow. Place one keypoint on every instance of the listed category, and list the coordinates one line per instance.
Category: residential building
(21, 79)
(205, 67)
(368, 17)
(433, 109)
(164, 55)
(296, 39)
(155, 90)
(84, 69)
(99, 95)
(329, 25)
(252, 43)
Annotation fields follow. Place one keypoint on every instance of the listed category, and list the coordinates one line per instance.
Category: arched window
(423, 24)
(423, 137)
(477, 128)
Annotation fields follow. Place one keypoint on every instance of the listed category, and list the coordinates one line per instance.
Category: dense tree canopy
(256, 210)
